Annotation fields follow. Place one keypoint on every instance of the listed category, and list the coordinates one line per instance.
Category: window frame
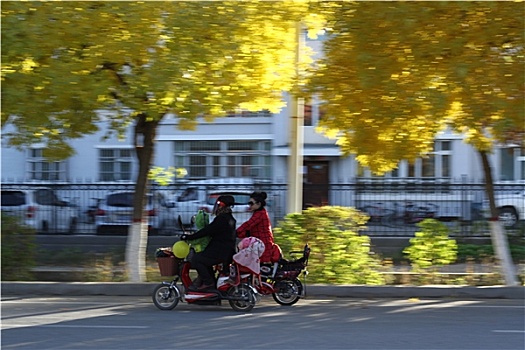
(117, 161)
(41, 169)
(232, 158)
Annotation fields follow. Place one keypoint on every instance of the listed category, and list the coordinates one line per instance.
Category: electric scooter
(240, 295)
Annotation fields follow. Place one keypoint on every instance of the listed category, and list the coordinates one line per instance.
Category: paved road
(111, 322)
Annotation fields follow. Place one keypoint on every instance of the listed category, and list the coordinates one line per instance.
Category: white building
(257, 146)
(250, 144)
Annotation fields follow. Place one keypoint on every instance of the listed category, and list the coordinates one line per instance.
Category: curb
(343, 291)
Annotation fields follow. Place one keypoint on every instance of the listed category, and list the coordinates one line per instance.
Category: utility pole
(295, 160)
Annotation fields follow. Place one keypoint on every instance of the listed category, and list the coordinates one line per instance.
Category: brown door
(315, 183)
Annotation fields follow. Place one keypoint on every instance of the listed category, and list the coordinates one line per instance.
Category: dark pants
(204, 266)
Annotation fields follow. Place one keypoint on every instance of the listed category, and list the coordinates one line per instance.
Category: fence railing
(394, 208)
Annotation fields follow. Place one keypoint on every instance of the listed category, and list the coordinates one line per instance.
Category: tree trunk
(497, 232)
(144, 138)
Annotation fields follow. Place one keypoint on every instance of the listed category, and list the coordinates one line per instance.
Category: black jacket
(223, 237)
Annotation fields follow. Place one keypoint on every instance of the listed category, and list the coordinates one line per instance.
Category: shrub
(431, 247)
(479, 252)
(18, 249)
(338, 253)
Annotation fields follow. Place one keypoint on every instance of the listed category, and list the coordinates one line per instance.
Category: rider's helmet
(223, 202)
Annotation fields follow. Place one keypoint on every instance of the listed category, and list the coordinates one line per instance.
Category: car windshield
(123, 199)
(47, 197)
(189, 194)
(13, 198)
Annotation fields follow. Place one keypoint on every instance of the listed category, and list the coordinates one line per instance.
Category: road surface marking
(55, 317)
(506, 331)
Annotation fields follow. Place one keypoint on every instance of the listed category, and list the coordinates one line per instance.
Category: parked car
(196, 195)
(114, 213)
(511, 208)
(40, 208)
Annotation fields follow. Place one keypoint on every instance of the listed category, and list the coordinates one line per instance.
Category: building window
(44, 170)
(115, 164)
(428, 166)
(213, 159)
(314, 111)
(248, 114)
(435, 165)
(307, 113)
(512, 163)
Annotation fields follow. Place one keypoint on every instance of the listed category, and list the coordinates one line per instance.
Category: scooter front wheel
(166, 297)
(244, 297)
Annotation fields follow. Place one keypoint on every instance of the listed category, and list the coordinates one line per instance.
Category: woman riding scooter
(259, 226)
(221, 247)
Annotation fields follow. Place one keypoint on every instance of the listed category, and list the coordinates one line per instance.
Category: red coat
(259, 226)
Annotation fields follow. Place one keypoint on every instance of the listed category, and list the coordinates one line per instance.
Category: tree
(65, 62)
(395, 74)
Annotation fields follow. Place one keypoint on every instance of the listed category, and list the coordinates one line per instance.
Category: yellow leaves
(164, 176)
(437, 83)
(496, 117)
(478, 139)
(102, 98)
(455, 112)
(7, 69)
(397, 76)
(388, 98)
(330, 133)
(28, 65)
(168, 99)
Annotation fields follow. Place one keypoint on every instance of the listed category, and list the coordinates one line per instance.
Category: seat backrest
(306, 254)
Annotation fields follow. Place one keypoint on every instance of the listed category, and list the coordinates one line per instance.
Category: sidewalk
(315, 290)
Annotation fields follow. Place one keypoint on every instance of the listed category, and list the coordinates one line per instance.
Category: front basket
(168, 266)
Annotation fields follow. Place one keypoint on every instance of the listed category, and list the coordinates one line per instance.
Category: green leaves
(431, 247)
(18, 249)
(339, 253)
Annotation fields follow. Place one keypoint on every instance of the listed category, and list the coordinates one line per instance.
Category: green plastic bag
(202, 219)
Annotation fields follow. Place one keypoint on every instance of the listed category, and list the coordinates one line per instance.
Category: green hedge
(431, 247)
(339, 254)
(18, 250)
(480, 252)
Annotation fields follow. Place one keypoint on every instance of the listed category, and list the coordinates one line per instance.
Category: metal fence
(394, 208)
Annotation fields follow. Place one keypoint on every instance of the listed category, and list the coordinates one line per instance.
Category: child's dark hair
(260, 197)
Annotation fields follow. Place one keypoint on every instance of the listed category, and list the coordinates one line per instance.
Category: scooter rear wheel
(166, 297)
(244, 292)
(288, 292)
